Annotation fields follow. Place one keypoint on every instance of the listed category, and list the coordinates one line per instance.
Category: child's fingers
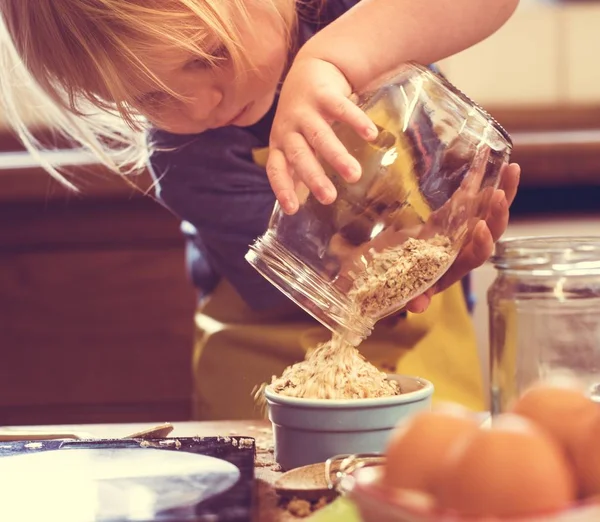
(344, 110)
(510, 181)
(281, 181)
(302, 159)
(420, 303)
(323, 140)
(497, 219)
(473, 254)
(482, 246)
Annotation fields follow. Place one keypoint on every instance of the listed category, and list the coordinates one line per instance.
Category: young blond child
(225, 101)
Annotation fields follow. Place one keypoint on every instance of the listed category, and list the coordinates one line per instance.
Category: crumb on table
(301, 508)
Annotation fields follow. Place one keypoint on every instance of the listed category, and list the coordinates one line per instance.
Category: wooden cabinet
(96, 310)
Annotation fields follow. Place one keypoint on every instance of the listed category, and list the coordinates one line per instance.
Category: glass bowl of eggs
(376, 503)
(540, 462)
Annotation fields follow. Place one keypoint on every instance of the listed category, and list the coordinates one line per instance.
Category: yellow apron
(237, 349)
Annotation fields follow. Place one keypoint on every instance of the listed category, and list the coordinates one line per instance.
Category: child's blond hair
(67, 56)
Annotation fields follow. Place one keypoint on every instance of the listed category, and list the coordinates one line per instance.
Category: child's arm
(370, 39)
(377, 35)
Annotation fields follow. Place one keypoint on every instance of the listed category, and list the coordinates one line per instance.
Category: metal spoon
(307, 483)
(157, 432)
(316, 481)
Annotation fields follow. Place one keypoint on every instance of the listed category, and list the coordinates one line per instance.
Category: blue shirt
(211, 182)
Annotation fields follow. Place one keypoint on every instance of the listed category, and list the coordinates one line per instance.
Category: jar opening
(549, 254)
(308, 289)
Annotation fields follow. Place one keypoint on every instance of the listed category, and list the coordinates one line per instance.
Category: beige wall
(547, 54)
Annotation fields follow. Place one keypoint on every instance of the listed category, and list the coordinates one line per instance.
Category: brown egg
(416, 447)
(513, 468)
(587, 459)
(559, 406)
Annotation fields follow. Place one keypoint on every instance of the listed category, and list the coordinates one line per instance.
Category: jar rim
(574, 255)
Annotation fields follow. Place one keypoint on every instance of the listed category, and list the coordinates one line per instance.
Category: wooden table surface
(267, 471)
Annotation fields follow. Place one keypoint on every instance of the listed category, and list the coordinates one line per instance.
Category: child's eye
(220, 53)
(219, 56)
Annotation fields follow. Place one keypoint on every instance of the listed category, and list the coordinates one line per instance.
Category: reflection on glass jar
(393, 234)
(544, 314)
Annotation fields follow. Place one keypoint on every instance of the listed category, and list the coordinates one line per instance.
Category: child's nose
(202, 105)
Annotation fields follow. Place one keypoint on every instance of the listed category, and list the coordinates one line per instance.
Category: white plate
(100, 485)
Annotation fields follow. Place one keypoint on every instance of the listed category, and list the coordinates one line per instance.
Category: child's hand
(314, 95)
(480, 245)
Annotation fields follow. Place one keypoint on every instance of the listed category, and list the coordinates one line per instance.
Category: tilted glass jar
(394, 233)
(544, 314)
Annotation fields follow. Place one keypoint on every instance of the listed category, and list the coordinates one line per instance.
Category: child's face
(216, 97)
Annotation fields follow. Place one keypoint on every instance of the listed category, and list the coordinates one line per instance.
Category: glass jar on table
(544, 314)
